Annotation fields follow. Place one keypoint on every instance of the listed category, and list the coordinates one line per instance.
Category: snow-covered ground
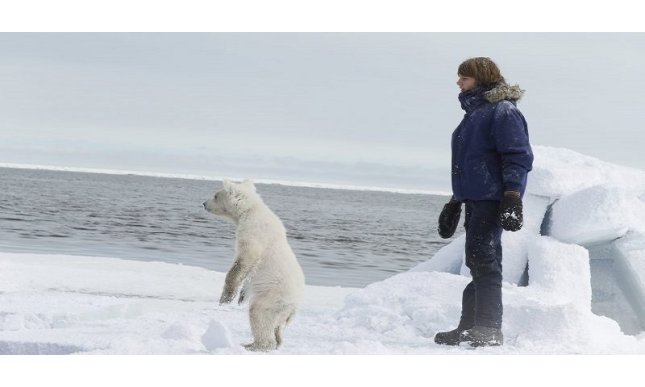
(54, 304)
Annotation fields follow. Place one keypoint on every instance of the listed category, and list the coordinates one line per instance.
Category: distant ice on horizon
(220, 178)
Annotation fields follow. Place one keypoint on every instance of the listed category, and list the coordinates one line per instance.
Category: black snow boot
(452, 337)
(480, 336)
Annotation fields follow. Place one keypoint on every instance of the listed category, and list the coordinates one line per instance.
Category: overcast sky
(348, 108)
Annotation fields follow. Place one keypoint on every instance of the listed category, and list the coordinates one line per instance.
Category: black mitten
(510, 211)
(449, 218)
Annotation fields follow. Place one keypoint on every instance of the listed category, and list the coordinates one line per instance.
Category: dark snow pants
(482, 299)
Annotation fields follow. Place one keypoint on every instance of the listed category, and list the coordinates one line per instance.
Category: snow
(57, 304)
(591, 215)
(216, 336)
(633, 246)
(558, 172)
(560, 272)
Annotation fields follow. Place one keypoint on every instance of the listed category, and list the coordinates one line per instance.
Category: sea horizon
(187, 176)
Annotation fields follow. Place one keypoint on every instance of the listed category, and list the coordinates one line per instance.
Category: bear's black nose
(204, 204)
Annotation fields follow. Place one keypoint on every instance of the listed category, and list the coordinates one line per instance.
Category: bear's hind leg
(283, 319)
(263, 329)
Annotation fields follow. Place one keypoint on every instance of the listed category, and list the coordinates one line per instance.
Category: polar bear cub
(265, 266)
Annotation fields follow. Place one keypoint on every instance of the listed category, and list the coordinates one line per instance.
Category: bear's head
(233, 199)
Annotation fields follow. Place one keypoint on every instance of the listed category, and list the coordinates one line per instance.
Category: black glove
(510, 211)
(449, 218)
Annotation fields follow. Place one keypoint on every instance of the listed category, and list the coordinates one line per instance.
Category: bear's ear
(248, 184)
(228, 186)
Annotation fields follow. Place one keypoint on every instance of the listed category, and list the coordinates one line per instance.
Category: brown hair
(483, 69)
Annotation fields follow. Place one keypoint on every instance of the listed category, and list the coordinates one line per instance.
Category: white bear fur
(265, 266)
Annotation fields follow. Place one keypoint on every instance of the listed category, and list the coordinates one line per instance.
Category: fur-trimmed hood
(504, 91)
(478, 96)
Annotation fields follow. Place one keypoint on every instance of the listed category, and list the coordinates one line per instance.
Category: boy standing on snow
(491, 157)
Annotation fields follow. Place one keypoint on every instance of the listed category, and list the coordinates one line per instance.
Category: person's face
(466, 83)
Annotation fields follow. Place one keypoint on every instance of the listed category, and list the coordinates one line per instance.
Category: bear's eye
(215, 197)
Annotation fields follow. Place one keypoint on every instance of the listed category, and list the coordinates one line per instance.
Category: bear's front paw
(227, 297)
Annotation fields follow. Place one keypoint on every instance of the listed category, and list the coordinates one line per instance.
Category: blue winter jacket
(490, 147)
